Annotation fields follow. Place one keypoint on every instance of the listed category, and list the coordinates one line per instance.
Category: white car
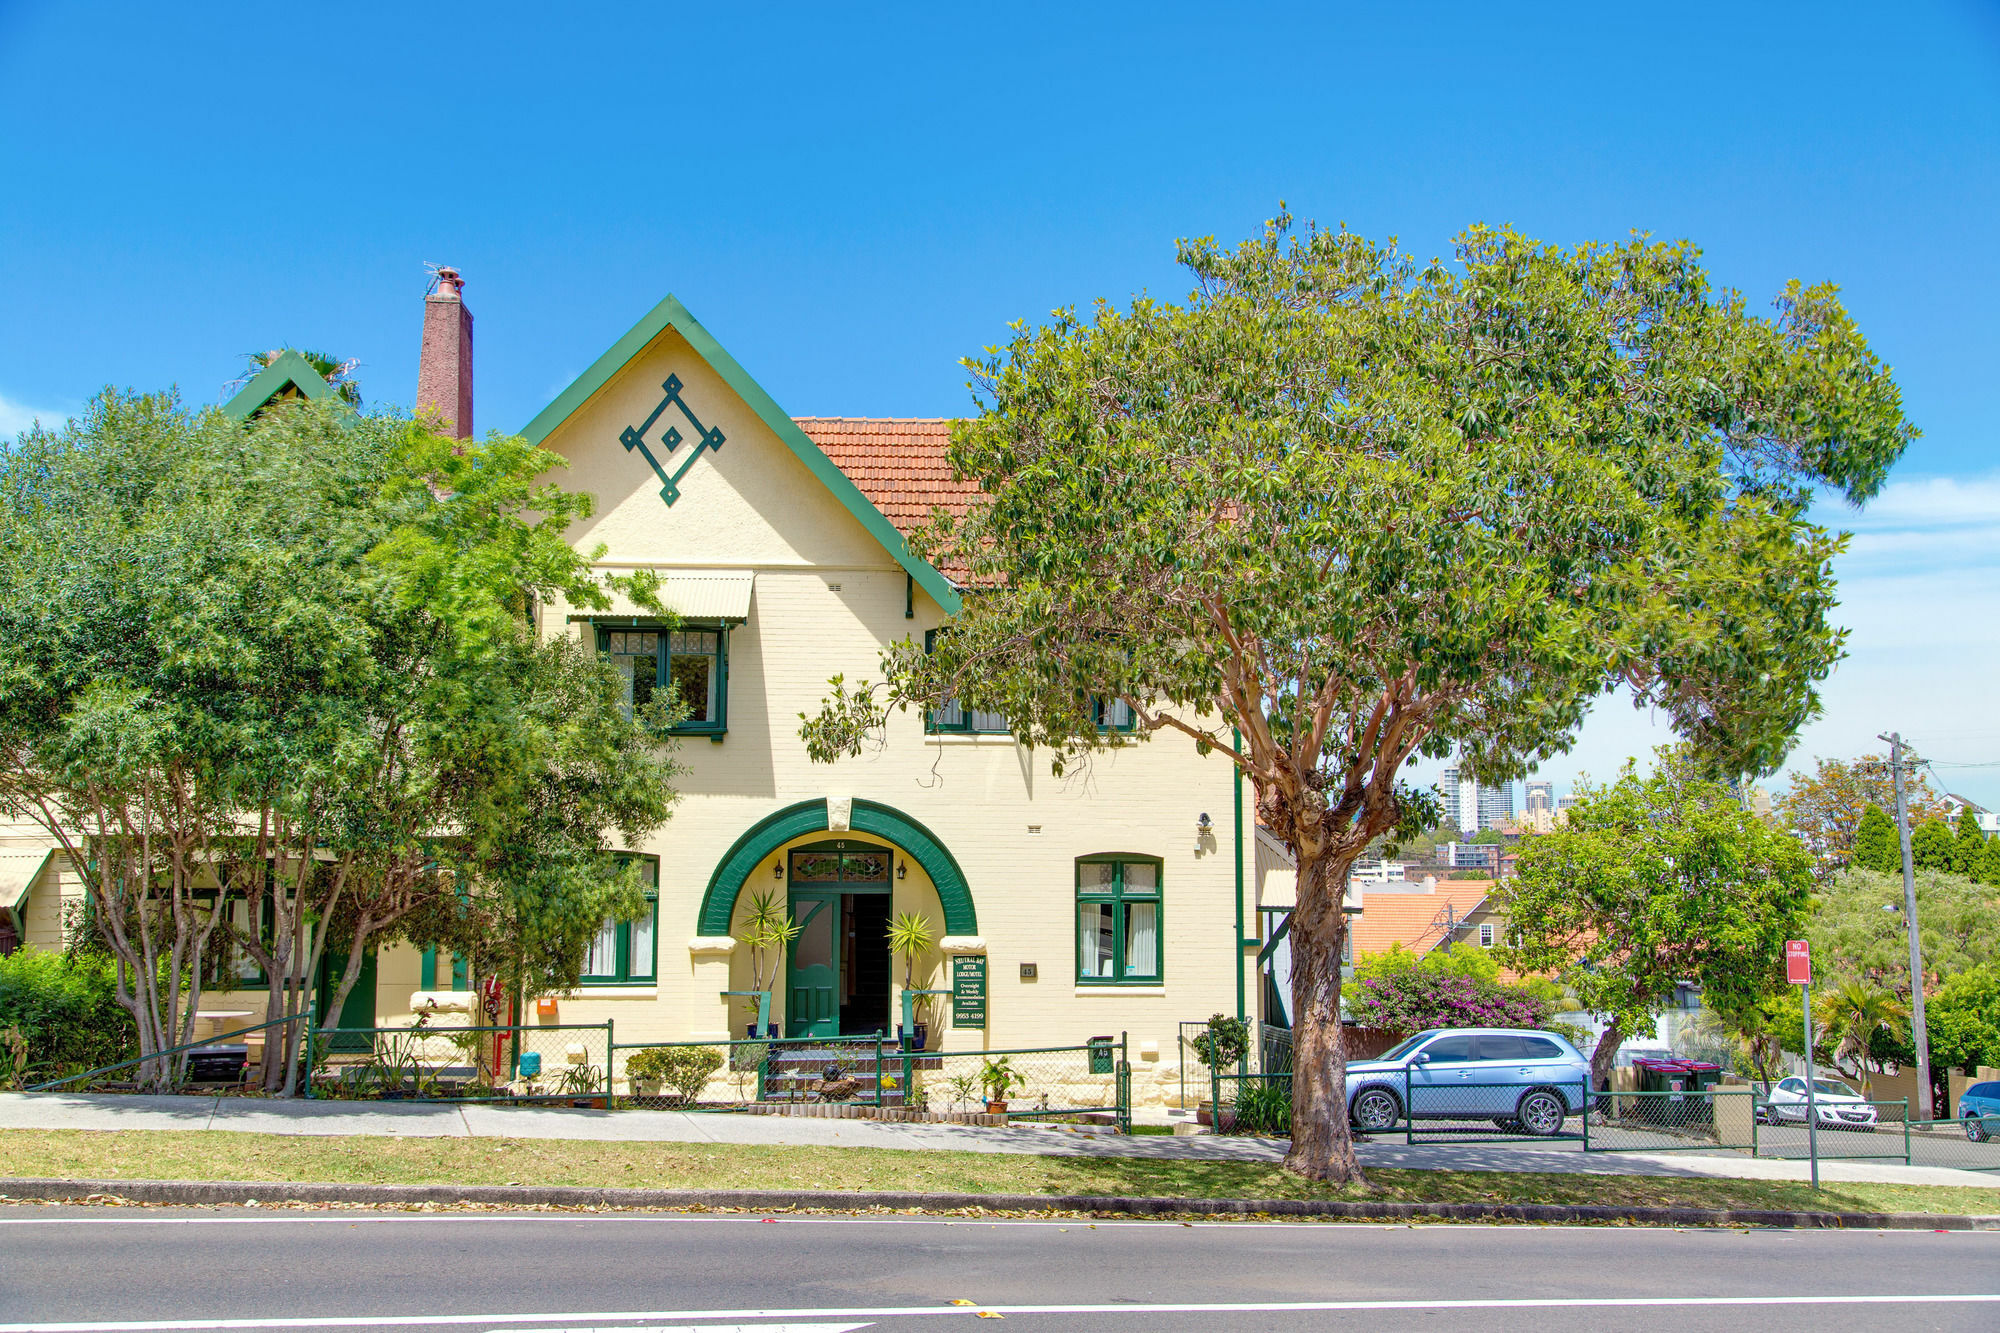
(1838, 1106)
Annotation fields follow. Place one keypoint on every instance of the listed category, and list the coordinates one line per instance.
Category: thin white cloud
(16, 417)
(1922, 502)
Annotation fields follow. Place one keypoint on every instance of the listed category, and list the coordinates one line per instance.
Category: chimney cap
(446, 284)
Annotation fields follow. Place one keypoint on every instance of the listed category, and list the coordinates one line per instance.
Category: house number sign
(968, 990)
(705, 437)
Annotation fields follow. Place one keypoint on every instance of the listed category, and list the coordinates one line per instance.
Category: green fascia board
(290, 370)
(670, 313)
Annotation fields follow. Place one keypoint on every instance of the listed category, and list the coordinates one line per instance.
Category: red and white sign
(1798, 963)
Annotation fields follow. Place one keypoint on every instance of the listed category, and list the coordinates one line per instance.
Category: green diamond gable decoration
(706, 437)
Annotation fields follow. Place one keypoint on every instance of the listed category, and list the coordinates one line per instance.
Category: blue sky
(851, 198)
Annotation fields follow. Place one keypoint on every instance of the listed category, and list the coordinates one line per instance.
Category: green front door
(812, 977)
(359, 1009)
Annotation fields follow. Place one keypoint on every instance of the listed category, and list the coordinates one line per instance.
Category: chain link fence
(875, 1075)
(555, 1063)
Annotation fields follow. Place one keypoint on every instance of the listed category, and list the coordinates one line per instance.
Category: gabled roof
(670, 313)
(288, 371)
(900, 464)
(1410, 919)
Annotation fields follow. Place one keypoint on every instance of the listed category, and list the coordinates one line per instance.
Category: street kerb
(199, 1193)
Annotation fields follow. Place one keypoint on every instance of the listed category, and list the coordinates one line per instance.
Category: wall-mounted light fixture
(1204, 823)
(777, 870)
(902, 869)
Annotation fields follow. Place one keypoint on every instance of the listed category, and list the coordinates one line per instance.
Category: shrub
(66, 1009)
(1222, 1042)
(1264, 1107)
(1416, 999)
(685, 1069)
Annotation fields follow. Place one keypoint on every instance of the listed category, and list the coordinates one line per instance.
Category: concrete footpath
(252, 1115)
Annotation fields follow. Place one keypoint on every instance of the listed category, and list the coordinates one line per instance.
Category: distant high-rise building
(1541, 796)
(1470, 805)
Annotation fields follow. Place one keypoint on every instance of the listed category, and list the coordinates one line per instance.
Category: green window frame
(627, 953)
(1113, 714)
(694, 658)
(1120, 920)
(428, 980)
(954, 719)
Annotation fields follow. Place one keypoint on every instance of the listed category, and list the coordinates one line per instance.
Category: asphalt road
(149, 1271)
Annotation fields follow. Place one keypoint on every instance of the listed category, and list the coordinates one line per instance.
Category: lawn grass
(198, 1155)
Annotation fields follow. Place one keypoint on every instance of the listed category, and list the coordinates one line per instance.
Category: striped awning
(712, 595)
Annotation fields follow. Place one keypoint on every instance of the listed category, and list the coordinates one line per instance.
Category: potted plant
(910, 937)
(999, 1078)
(1220, 1043)
(769, 931)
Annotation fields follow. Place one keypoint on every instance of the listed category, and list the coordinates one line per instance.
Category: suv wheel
(1376, 1109)
(1975, 1129)
(1541, 1112)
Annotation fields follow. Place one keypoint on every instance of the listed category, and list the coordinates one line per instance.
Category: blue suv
(1521, 1080)
(1979, 1110)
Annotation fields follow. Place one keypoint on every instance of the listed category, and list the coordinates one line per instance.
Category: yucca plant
(911, 936)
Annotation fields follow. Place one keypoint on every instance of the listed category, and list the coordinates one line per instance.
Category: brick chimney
(444, 367)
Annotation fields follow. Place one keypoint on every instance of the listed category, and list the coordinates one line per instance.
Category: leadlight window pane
(1095, 939)
(1142, 877)
(1096, 876)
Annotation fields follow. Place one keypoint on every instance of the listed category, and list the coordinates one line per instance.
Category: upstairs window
(1113, 714)
(691, 662)
(955, 719)
(1118, 921)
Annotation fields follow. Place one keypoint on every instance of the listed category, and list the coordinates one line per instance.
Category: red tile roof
(1407, 918)
(899, 464)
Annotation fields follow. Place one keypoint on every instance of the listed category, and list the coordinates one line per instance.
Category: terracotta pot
(996, 1108)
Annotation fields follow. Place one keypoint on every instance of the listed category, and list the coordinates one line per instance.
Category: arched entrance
(839, 889)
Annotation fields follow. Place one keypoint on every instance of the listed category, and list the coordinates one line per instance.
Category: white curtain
(1142, 939)
(602, 961)
(642, 945)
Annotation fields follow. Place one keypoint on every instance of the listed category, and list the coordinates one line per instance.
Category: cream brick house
(1118, 899)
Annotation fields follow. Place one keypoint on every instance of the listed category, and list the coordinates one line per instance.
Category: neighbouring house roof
(1410, 919)
(670, 313)
(288, 373)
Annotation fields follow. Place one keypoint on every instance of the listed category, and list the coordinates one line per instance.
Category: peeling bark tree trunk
(1322, 1138)
(1605, 1053)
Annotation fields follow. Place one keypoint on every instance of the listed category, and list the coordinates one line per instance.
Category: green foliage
(1654, 882)
(1989, 863)
(1857, 1015)
(685, 1069)
(66, 1010)
(1264, 1106)
(1858, 931)
(1487, 837)
(1963, 1019)
(1461, 959)
(1344, 507)
(305, 643)
(910, 937)
(1221, 1042)
(1932, 848)
(1876, 846)
(1825, 808)
(999, 1078)
(1968, 851)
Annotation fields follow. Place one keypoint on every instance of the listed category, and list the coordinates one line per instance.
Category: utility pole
(1918, 1035)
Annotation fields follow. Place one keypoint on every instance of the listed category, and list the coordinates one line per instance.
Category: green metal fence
(1971, 1144)
(793, 1074)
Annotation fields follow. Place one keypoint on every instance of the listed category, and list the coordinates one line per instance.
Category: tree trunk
(1322, 1140)
(1605, 1054)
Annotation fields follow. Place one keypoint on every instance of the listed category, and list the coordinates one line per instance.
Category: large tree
(1344, 508)
(1825, 808)
(1858, 931)
(275, 683)
(1655, 882)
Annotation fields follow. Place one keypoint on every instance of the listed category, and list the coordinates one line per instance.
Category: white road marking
(715, 1328)
(557, 1323)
